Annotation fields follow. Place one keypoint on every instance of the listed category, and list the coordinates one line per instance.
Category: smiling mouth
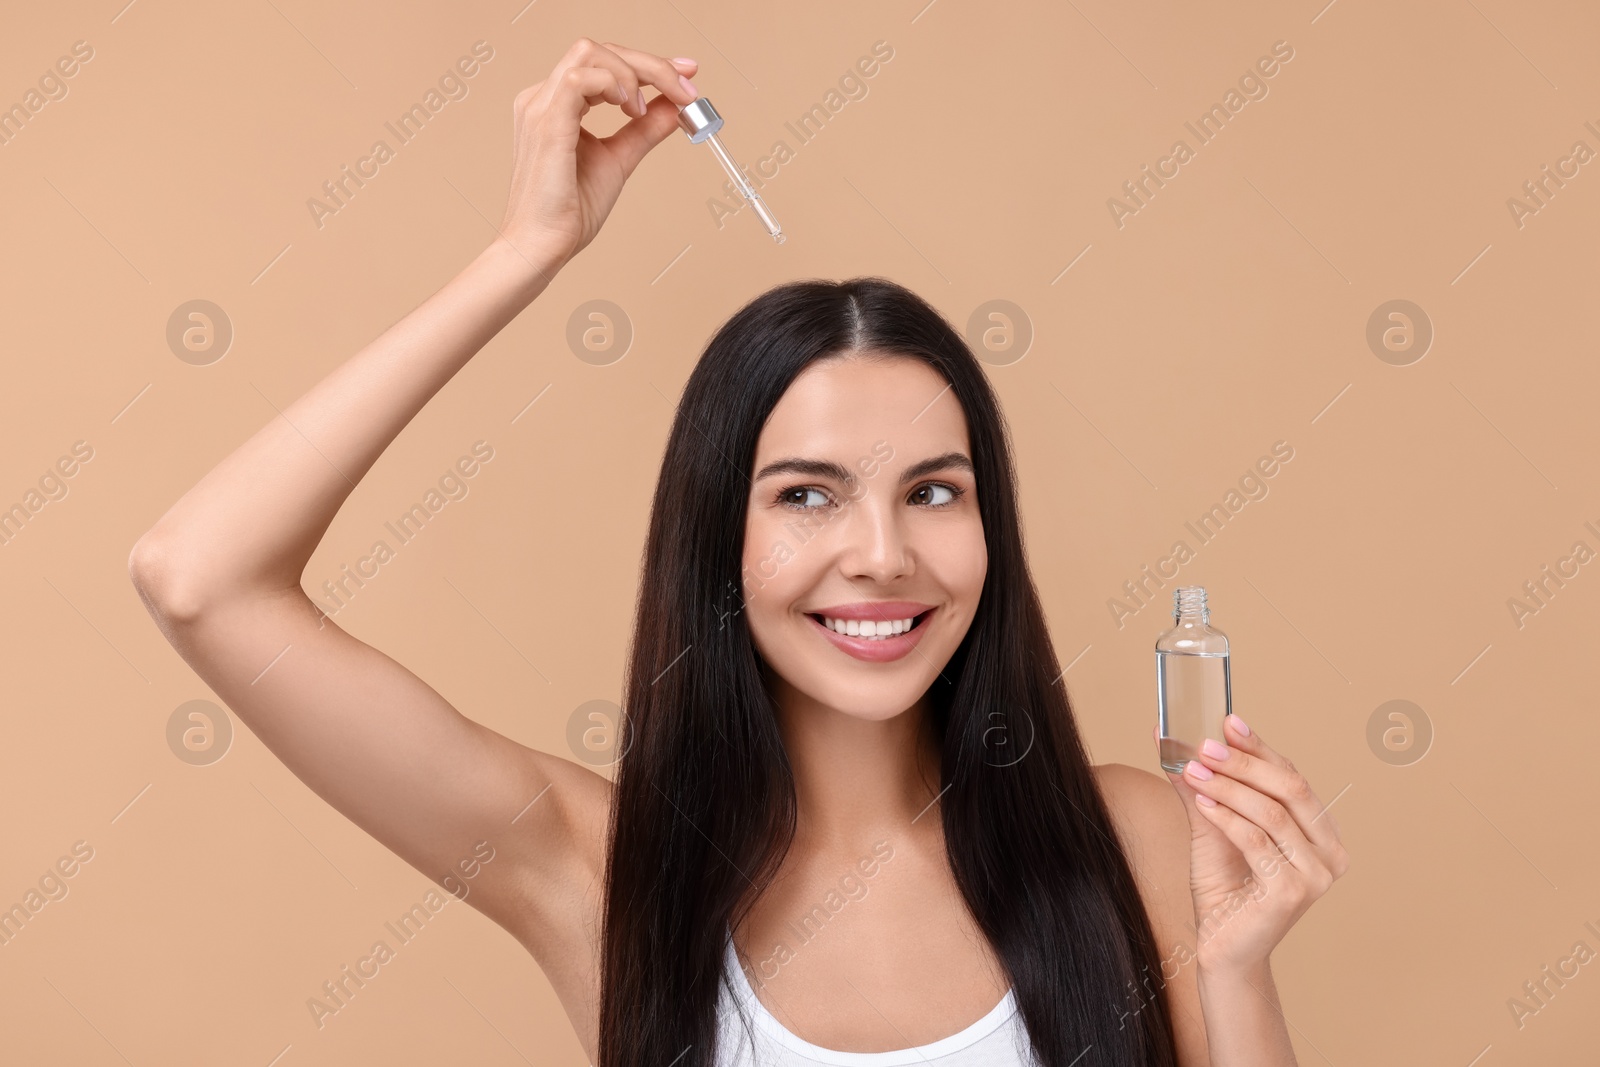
(837, 627)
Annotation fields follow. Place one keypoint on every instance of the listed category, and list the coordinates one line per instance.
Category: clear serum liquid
(1194, 687)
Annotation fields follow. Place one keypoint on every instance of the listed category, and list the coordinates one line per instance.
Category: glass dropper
(701, 122)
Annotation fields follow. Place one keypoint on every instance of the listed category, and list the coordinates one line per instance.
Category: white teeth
(867, 628)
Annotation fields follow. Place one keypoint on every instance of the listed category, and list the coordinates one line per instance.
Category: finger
(1239, 734)
(651, 69)
(631, 100)
(636, 137)
(626, 94)
(1261, 810)
(1252, 760)
(578, 88)
(585, 52)
(1190, 796)
(1253, 842)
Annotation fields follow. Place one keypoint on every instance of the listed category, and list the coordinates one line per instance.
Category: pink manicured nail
(688, 86)
(1214, 748)
(1199, 770)
(1204, 801)
(1244, 728)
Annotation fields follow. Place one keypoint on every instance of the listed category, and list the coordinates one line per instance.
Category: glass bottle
(1194, 687)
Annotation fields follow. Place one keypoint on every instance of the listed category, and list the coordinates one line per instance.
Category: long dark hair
(704, 808)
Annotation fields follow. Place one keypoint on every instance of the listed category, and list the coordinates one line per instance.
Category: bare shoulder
(1144, 806)
(1153, 825)
(1153, 828)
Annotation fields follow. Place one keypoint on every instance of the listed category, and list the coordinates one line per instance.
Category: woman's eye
(931, 495)
(797, 497)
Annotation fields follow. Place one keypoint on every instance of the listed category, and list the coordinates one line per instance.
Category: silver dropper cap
(699, 119)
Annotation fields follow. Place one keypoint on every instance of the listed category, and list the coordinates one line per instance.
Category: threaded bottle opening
(1189, 601)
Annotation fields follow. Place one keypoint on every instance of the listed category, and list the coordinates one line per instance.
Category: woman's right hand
(564, 179)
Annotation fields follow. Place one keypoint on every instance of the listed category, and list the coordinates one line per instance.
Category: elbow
(157, 575)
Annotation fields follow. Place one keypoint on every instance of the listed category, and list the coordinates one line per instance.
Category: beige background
(1229, 313)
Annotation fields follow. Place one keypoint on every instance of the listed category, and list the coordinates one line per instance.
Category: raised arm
(221, 570)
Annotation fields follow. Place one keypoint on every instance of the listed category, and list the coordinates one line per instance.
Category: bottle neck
(1189, 606)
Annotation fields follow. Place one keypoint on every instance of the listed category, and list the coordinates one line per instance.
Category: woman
(837, 462)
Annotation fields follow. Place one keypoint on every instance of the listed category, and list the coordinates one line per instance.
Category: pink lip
(882, 650)
(876, 610)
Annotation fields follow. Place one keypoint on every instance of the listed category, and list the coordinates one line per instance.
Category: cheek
(965, 552)
(773, 580)
(769, 568)
(963, 561)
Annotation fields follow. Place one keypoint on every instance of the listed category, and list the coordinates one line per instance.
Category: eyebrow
(822, 468)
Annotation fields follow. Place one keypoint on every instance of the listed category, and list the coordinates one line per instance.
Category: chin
(872, 693)
(868, 707)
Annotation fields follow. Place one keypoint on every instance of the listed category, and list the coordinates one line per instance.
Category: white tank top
(751, 1036)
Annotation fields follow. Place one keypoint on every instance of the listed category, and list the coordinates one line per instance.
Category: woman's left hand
(1260, 857)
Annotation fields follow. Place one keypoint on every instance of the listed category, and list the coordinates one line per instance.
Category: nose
(875, 541)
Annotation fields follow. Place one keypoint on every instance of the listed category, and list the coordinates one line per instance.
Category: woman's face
(863, 511)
